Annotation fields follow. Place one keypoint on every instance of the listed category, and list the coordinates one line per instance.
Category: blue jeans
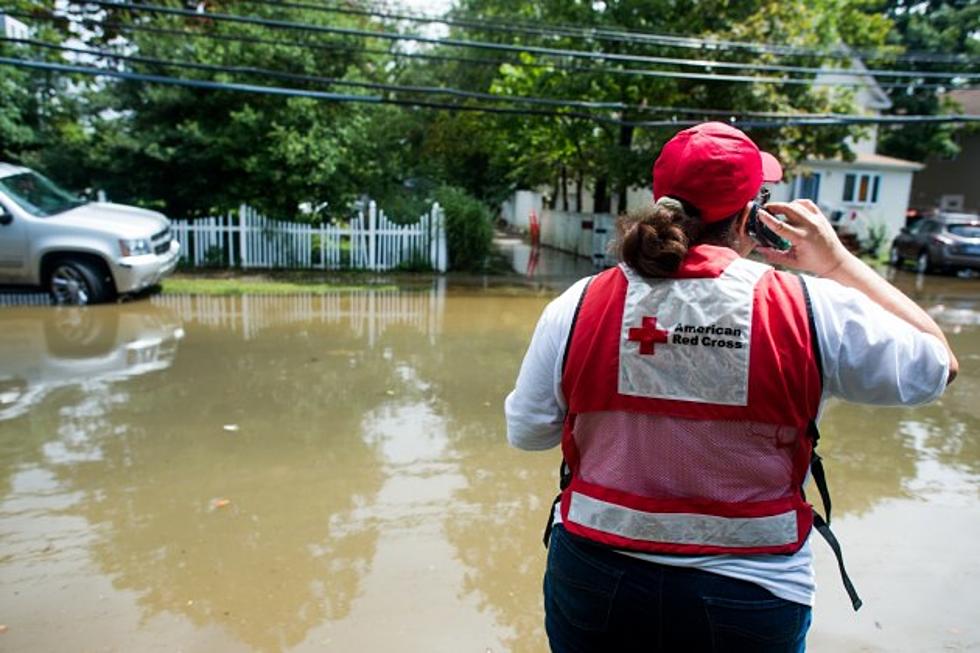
(596, 599)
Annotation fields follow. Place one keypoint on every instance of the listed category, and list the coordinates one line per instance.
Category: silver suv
(81, 252)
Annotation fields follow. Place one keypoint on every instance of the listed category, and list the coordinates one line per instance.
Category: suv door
(918, 236)
(13, 246)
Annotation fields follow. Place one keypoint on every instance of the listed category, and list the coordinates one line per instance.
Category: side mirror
(5, 217)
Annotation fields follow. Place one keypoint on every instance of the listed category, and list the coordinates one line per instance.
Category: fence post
(372, 235)
(442, 256)
(242, 247)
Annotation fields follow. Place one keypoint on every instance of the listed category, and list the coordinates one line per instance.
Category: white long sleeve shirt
(869, 356)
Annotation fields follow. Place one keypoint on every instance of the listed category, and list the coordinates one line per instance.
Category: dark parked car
(940, 242)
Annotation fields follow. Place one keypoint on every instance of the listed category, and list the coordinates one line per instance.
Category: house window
(861, 188)
(951, 202)
(808, 187)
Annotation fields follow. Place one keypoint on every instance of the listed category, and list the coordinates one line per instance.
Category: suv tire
(923, 264)
(894, 258)
(78, 282)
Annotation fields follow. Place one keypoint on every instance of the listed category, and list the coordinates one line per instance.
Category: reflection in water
(47, 348)
(544, 263)
(366, 313)
(330, 473)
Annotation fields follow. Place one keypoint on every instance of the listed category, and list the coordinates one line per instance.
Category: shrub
(469, 228)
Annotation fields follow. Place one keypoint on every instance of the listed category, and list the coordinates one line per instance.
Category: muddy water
(330, 474)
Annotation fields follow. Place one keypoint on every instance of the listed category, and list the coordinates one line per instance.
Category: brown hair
(654, 240)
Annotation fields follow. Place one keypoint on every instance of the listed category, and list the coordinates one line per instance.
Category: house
(13, 29)
(950, 183)
(868, 196)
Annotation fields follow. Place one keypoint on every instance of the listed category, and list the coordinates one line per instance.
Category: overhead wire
(376, 99)
(624, 35)
(399, 54)
(428, 90)
(507, 47)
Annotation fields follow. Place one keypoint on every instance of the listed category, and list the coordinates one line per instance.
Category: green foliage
(469, 228)
(417, 261)
(611, 158)
(940, 26)
(16, 133)
(192, 152)
(295, 284)
(877, 232)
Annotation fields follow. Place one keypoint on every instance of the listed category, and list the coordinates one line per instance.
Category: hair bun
(655, 240)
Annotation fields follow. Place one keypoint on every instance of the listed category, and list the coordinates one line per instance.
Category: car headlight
(135, 247)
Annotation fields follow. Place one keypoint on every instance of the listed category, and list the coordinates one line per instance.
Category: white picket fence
(369, 241)
(582, 234)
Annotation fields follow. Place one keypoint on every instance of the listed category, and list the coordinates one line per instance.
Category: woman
(684, 386)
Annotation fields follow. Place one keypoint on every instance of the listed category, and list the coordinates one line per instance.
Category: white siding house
(13, 29)
(871, 192)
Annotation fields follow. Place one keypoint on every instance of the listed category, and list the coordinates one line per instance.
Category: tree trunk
(564, 189)
(578, 191)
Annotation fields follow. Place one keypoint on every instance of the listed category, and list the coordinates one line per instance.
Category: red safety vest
(690, 402)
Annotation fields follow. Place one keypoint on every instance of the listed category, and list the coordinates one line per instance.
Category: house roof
(869, 95)
(864, 160)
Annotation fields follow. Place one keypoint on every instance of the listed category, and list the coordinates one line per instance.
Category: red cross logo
(647, 335)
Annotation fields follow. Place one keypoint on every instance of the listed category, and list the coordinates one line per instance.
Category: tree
(36, 109)
(937, 26)
(192, 152)
(617, 157)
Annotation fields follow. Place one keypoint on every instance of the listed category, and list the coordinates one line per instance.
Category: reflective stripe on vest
(683, 528)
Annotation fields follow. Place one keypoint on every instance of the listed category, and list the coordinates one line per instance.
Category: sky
(426, 6)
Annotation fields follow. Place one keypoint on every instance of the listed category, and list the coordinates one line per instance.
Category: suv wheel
(894, 258)
(78, 283)
(923, 264)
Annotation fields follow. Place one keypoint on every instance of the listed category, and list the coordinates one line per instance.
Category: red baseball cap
(714, 167)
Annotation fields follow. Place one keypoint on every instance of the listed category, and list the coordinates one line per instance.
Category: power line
(492, 97)
(474, 61)
(292, 92)
(626, 36)
(374, 99)
(506, 47)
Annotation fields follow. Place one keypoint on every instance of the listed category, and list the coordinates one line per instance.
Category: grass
(232, 286)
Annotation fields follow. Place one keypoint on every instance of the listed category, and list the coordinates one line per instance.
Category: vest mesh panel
(670, 457)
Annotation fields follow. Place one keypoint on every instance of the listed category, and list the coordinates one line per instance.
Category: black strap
(571, 328)
(565, 478)
(820, 480)
(814, 340)
(824, 529)
(823, 525)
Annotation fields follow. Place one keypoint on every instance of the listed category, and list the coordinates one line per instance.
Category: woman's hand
(815, 246)
(817, 249)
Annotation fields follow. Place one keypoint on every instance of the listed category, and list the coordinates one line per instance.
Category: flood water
(331, 474)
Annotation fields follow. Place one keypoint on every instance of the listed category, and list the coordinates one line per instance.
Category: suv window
(965, 230)
(38, 195)
(925, 227)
